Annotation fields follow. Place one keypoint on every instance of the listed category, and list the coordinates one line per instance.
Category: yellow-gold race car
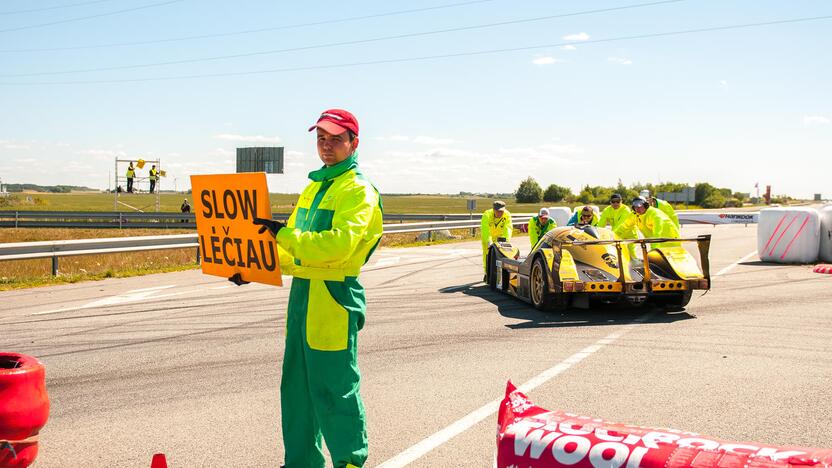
(580, 266)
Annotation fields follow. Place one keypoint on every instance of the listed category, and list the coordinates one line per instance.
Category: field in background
(280, 203)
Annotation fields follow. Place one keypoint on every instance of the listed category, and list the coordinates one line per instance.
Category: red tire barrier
(24, 408)
(827, 269)
(532, 436)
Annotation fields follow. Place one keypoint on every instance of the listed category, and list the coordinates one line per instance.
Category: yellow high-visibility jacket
(667, 209)
(653, 223)
(536, 231)
(335, 226)
(493, 227)
(614, 217)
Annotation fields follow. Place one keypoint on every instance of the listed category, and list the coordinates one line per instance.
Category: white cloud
(419, 140)
(723, 82)
(816, 120)
(568, 47)
(293, 153)
(426, 140)
(393, 138)
(248, 138)
(581, 36)
(26, 160)
(620, 60)
(18, 146)
(223, 152)
(545, 60)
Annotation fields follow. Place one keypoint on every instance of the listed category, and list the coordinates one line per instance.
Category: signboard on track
(225, 206)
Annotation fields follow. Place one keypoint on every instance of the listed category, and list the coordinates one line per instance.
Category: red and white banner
(530, 436)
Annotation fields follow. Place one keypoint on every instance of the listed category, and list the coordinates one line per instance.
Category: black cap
(499, 205)
(615, 196)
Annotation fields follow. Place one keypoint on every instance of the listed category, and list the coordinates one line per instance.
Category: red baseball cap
(336, 121)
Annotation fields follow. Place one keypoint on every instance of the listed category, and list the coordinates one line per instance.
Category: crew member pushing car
(495, 224)
(539, 225)
(652, 223)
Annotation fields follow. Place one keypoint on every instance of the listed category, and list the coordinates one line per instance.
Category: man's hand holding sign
(232, 216)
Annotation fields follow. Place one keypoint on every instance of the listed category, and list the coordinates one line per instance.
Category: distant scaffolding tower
(139, 182)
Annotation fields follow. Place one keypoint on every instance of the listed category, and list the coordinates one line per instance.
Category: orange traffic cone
(159, 461)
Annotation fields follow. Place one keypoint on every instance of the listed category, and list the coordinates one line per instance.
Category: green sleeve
(485, 233)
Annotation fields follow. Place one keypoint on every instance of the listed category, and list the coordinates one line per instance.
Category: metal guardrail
(66, 248)
(171, 220)
(163, 220)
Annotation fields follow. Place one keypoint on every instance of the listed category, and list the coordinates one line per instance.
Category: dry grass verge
(30, 273)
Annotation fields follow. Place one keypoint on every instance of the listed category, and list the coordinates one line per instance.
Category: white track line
(155, 288)
(731, 266)
(420, 449)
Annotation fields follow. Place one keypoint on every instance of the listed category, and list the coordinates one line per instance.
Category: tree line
(707, 196)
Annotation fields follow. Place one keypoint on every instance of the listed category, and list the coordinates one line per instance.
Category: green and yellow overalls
(332, 232)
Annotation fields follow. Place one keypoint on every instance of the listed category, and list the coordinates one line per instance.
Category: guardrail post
(54, 265)
(16, 217)
(198, 258)
(119, 219)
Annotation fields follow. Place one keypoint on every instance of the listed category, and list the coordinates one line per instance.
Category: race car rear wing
(703, 244)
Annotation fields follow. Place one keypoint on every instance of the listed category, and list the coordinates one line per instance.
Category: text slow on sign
(226, 205)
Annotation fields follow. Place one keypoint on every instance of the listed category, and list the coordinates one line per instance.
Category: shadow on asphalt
(511, 307)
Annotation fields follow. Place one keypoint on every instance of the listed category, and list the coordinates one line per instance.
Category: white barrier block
(560, 214)
(788, 235)
(826, 234)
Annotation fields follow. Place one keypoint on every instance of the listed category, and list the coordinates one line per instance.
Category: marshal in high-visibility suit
(334, 228)
(652, 222)
(539, 225)
(614, 216)
(495, 224)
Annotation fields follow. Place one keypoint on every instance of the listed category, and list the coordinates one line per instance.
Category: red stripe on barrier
(805, 221)
(773, 234)
(771, 252)
(827, 269)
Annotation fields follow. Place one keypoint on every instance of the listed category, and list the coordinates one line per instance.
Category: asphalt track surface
(189, 365)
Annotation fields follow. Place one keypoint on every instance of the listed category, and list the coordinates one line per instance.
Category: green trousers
(319, 388)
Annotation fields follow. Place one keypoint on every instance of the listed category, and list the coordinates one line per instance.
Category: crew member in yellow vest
(614, 216)
(495, 224)
(131, 173)
(154, 176)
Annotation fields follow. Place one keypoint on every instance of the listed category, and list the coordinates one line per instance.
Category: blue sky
(731, 107)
